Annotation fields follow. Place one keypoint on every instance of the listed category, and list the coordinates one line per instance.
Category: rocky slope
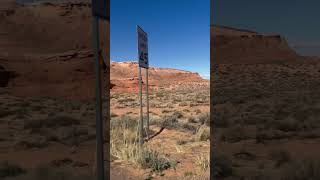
(46, 28)
(237, 46)
(48, 48)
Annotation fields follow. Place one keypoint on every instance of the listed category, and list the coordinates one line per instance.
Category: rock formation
(237, 46)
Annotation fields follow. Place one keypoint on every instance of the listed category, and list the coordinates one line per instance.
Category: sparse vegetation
(124, 145)
(257, 107)
(204, 118)
(203, 133)
(151, 159)
(203, 161)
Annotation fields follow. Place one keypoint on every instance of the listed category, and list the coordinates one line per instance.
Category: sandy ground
(165, 103)
(266, 119)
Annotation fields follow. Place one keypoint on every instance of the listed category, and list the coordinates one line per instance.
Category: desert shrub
(9, 170)
(222, 166)
(188, 174)
(183, 104)
(203, 161)
(203, 133)
(186, 110)
(160, 94)
(204, 118)
(191, 120)
(124, 130)
(190, 127)
(177, 114)
(124, 100)
(165, 111)
(124, 145)
(170, 122)
(125, 122)
(151, 159)
(176, 101)
(170, 105)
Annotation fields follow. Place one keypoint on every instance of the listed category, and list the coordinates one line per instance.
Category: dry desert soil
(47, 107)
(265, 107)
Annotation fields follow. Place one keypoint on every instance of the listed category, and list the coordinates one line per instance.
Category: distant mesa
(124, 76)
(230, 31)
(238, 46)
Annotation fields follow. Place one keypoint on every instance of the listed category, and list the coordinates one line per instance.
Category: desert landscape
(179, 123)
(264, 107)
(47, 103)
(47, 113)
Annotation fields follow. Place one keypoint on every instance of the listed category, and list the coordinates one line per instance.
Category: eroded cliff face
(46, 28)
(124, 76)
(123, 70)
(236, 46)
(48, 47)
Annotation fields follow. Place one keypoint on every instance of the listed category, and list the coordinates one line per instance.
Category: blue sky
(297, 20)
(178, 32)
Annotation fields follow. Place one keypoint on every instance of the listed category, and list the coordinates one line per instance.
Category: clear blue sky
(178, 32)
(297, 20)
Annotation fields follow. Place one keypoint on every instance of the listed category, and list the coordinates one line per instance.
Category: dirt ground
(185, 106)
(60, 133)
(266, 120)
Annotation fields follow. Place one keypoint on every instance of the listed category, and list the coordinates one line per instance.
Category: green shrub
(151, 159)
